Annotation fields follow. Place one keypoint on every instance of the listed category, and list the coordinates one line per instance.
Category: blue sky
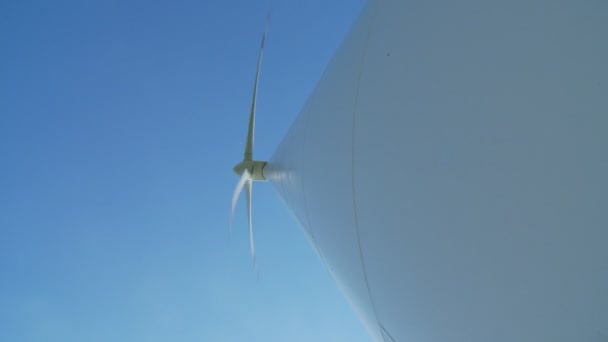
(119, 126)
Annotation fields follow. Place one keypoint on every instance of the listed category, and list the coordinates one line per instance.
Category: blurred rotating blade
(237, 191)
(248, 193)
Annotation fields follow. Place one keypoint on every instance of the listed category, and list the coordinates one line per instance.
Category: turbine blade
(249, 143)
(235, 197)
(249, 192)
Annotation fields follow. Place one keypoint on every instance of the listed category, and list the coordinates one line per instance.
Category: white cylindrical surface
(450, 170)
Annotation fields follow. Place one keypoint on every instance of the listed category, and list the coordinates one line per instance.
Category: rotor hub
(254, 167)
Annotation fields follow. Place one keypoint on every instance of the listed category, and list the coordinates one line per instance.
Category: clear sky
(120, 122)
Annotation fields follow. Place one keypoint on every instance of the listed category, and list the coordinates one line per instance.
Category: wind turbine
(250, 170)
(454, 184)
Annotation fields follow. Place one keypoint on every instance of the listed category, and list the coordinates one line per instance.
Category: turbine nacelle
(254, 167)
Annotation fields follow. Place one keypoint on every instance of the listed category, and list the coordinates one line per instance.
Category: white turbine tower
(450, 170)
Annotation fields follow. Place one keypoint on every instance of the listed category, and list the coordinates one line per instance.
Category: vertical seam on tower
(384, 331)
(369, 292)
